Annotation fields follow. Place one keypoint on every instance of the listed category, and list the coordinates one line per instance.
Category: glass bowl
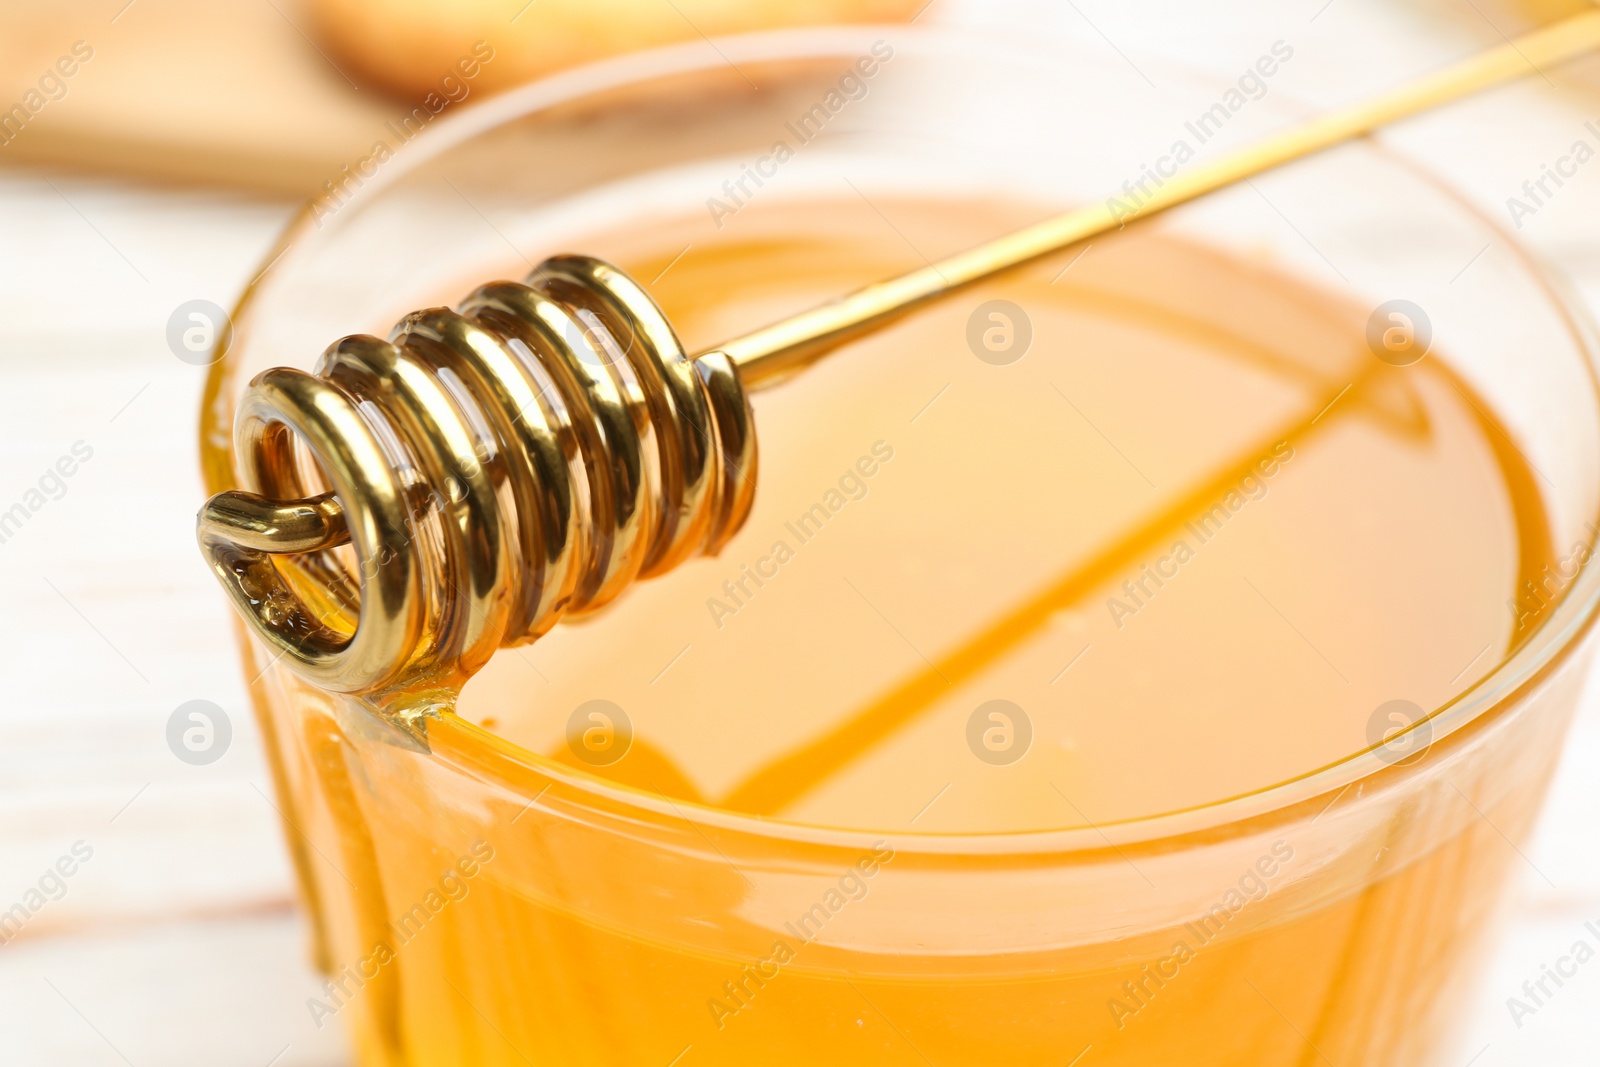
(477, 901)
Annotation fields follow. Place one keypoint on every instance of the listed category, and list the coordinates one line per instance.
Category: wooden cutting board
(184, 90)
(274, 95)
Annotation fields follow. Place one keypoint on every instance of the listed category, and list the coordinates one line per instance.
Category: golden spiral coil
(530, 454)
(493, 468)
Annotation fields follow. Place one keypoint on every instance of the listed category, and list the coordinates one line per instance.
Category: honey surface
(1181, 548)
(1194, 538)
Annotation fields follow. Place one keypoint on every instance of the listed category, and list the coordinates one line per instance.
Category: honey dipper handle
(776, 351)
(478, 516)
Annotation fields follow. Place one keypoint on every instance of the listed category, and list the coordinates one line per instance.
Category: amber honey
(1198, 488)
(1189, 544)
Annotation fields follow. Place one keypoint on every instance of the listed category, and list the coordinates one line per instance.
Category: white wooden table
(179, 942)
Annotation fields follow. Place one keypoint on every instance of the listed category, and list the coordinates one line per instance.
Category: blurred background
(150, 151)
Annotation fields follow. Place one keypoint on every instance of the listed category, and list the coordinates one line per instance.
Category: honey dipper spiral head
(491, 468)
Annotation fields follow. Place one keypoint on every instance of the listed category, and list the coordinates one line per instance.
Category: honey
(1114, 538)
(1196, 535)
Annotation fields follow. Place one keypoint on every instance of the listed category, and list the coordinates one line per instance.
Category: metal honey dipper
(535, 450)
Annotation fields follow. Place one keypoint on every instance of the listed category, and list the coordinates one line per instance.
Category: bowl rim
(1496, 697)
